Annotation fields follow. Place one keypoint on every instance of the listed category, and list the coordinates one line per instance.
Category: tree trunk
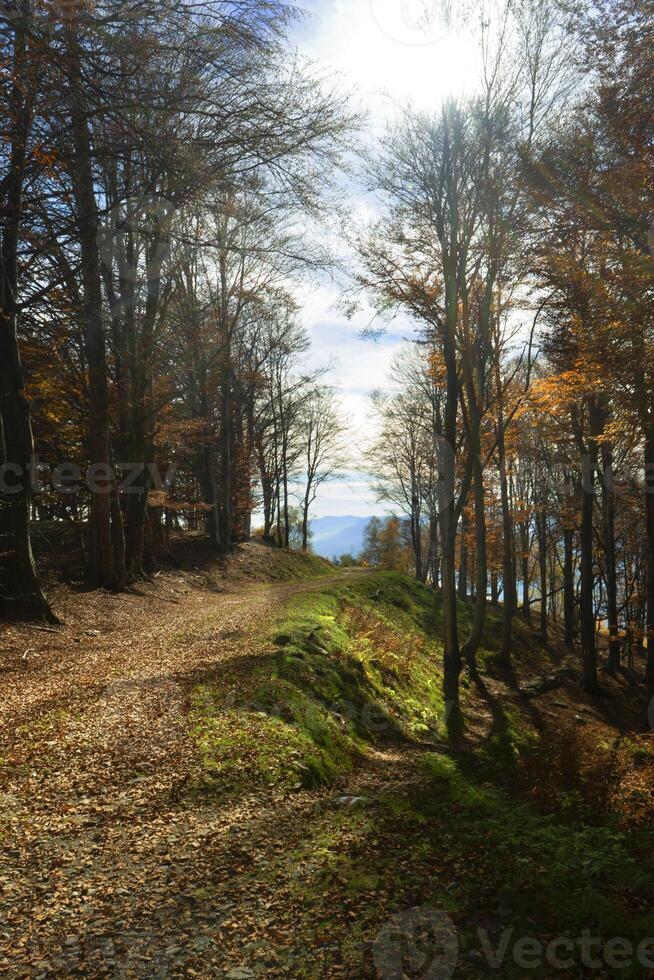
(568, 587)
(210, 495)
(541, 528)
(226, 461)
(524, 547)
(494, 588)
(507, 546)
(416, 537)
(481, 569)
(434, 552)
(462, 588)
(100, 557)
(608, 509)
(117, 530)
(452, 662)
(21, 591)
(305, 516)
(587, 604)
(649, 626)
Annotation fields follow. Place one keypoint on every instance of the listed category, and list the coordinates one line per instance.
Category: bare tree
(322, 436)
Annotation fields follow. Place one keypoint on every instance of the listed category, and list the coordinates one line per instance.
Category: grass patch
(286, 565)
(350, 664)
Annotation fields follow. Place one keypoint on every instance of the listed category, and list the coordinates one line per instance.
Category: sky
(357, 367)
(386, 53)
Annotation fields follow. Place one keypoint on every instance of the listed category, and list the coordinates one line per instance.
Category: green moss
(640, 751)
(357, 662)
(511, 739)
(349, 664)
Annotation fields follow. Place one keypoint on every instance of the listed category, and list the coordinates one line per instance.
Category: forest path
(113, 865)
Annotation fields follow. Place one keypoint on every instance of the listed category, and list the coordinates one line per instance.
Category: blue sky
(357, 367)
(386, 53)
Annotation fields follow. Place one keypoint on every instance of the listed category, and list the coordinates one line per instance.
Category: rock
(240, 973)
(352, 802)
(541, 685)
(314, 647)
(144, 766)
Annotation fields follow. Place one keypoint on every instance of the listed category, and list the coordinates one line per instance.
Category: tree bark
(508, 566)
(21, 591)
(608, 513)
(541, 528)
(471, 645)
(524, 547)
(100, 556)
(452, 662)
(568, 587)
(588, 642)
(462, 587)
(649, 625)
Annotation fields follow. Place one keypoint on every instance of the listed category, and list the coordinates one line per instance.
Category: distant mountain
(336, 536)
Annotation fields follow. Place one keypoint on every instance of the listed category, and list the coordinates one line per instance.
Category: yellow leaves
(160, 499)
(617, 430)
(181, 433)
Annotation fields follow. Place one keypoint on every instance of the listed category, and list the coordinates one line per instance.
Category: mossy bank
(346, 692)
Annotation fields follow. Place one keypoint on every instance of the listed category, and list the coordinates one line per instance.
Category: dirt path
(111, 865)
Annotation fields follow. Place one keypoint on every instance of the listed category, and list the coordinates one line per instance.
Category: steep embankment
(221, 778)
(508, 828)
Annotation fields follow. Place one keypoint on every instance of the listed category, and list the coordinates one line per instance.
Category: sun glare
(391, 51)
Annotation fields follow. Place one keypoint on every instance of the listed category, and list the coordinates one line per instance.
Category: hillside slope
(336, 536)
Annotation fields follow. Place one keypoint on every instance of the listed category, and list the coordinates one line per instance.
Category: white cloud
(387, 52)
(351, 497)
(358, 366)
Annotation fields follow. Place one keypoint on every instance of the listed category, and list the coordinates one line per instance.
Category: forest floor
(218, 776)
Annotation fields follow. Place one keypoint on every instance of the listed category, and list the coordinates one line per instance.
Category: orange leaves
(180, 433)
(555, 393)
(436, 367)
(46, 159)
